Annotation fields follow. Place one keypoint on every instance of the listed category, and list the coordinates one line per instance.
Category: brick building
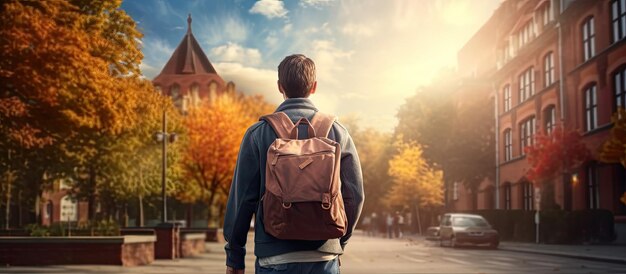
(549, 63)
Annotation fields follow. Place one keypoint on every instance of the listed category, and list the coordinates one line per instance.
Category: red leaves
(555, 153)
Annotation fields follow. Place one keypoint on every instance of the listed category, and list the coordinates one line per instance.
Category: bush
(95, 228)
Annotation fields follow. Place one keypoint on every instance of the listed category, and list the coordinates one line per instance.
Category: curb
(615, 260)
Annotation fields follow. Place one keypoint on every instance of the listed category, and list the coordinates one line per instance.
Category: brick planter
(117, 250)
(166, 246)
(191, 244)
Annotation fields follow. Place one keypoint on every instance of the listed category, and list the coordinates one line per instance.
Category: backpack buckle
(326, 206)
(286, 205)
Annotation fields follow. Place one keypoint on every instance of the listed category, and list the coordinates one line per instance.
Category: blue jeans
(327, 267)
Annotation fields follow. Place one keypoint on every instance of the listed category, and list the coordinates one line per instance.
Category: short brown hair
(296, 74)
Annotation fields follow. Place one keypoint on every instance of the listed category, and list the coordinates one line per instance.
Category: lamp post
(164, 137)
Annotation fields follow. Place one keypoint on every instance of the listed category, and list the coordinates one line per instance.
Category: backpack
(302, 199)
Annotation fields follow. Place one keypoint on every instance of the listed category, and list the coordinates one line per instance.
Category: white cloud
(271, 40)
(358, 30)
(231, 29)
(233, 52)
(251, 80)
(315, 3)
(329, 60)
(269, 8)
(287, 28)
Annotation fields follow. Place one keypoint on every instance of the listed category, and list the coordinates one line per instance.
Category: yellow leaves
(413, 179)
(614, 149)
(214, 132)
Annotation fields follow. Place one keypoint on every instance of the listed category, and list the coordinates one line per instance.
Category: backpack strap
(280, 122)
(322, 123)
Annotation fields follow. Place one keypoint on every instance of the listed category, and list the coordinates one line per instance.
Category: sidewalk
(602, 253)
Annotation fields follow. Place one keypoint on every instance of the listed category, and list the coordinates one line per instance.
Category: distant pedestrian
(400, 225)
(374, 226)
(396, 224)
(390, 225)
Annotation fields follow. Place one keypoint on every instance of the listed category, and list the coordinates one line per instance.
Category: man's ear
(280, 88)
(313, 88)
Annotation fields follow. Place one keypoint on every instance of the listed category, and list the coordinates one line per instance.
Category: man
(296, 82)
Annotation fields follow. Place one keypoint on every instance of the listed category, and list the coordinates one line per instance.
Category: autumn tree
(214, 133)
(375, 150)
(69, 79)
(553, 155)
(614, 149)
(416, 184)
(454, 124)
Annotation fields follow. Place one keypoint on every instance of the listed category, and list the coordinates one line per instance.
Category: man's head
(296, 76)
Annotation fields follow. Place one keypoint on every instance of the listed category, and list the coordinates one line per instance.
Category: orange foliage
(214, 133)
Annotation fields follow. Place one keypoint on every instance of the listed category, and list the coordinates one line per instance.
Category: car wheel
(494, 244)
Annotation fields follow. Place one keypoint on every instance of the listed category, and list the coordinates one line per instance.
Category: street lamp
(164, 137)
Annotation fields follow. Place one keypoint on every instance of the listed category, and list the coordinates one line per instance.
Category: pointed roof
(188, 58)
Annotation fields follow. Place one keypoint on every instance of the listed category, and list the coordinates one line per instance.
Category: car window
(445, 220)
(469, 221)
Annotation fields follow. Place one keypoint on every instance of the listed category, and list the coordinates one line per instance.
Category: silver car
(457, 229)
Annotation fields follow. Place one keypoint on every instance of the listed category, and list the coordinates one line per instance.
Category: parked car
(457, 229)
(432, 233)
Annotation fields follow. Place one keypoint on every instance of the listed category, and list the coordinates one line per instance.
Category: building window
(593, 195)
(195, 95)
(455, 191)
(526, 84)
(546, 14)
(620, 88)
(69, 209)
(525, 34)
(507, 98)
(548, 66)
(527, 134)
(591, 108)
(550, 119)
(508, 145)
(618, 17)
(589, 39)
(528, 195)
(507, 196)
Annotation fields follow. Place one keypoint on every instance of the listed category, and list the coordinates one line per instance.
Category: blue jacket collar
(296, 103)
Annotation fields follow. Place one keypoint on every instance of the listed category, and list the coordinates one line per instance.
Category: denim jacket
(249, 185)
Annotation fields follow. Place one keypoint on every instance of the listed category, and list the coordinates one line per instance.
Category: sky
(369, 54)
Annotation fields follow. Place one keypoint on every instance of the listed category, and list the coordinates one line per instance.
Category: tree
(69, 79)
(415, 183)
(454, 124)
(214, 133)
(375, 149)
(552, 155)
(614, 149)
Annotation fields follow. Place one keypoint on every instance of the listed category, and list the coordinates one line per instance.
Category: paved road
(374, 255)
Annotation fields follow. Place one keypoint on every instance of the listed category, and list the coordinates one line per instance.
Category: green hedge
(556, 226)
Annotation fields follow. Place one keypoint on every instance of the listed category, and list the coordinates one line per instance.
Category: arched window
(212, 90)
(589, 39)
(176, 96)
(593, 194)
(508, 145)
(619, 86)
(548, 67)
(157, 88)
(527, 133)
(69, 209)
(195, 95)
(549, 119)
(618, 19)
(528, 194)
(526, 84)
(591, 108)
(507, 97)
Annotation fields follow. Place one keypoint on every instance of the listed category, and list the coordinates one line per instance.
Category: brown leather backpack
(302, 199)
